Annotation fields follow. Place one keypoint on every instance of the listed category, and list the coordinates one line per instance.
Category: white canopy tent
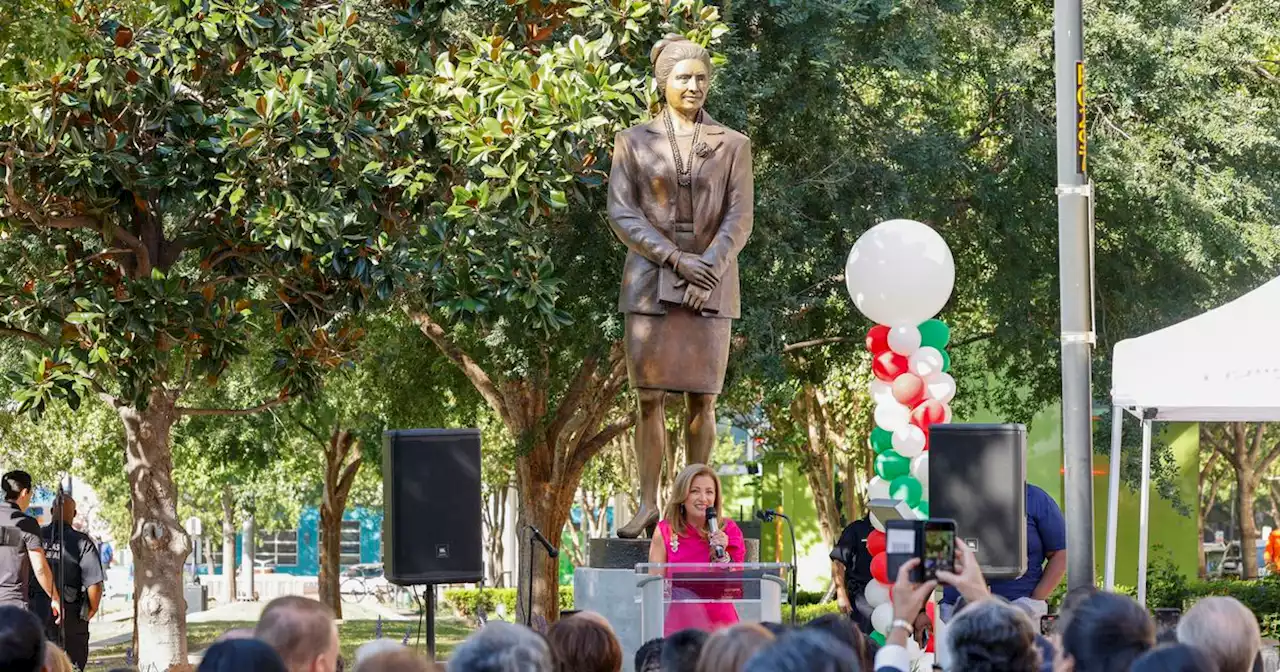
(1221, 366)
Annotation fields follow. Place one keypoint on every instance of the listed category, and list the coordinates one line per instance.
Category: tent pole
(1113, 498)
(1144, 512)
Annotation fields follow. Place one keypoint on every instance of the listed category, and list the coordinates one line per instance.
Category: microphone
(713, 524)
(767, 515)
(552, 551)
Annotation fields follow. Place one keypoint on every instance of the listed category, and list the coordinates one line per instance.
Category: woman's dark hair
(1106, 633)
(993, 636)
(805, 650)
(584, 643)
(237, 655)
(1175, 658)
(681, 649)
(844, 629)
(649, 656)
(13, 483)
(778, 629)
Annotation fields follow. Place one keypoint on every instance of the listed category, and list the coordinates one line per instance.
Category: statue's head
(683, 71)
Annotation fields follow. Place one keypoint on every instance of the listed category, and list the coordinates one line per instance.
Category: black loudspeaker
(978, 478)
(431, 528)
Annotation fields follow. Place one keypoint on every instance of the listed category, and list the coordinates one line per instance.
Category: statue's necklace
(683, 177)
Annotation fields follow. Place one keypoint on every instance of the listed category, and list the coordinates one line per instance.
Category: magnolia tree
(171, 189)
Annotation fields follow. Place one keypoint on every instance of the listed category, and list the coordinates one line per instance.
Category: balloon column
(900, 273)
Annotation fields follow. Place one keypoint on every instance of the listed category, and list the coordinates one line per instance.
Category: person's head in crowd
(844, 629)
(584, 642)
(370, 649)
(991, 636)
(680, 650)
(17, 488)
(1225, 629)
(1175, 658)
(804, 650)
(240, 655)
(649, 656)
(56, 660)
(393, 660)
(502, 647)
(302, 631)
(21, 636)
(1072, 599)
(778, 629)
(728, 650)
(235, 633)
(1106, 633)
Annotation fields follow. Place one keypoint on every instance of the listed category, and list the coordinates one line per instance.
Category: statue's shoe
(645, 520)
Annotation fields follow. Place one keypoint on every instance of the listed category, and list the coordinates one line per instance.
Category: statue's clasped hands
(701, 278)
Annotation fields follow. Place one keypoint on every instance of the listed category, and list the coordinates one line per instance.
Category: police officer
(21, 550)
(77, 569)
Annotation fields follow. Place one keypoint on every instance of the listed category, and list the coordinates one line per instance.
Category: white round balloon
(920, 470)
(875, 522)
(946, 414)
(890, 415)
(925, 362)
(909, 440)
(904, 340)
(877, 488)
(926, 662)
(900, 272)
(876, 593)
(882, 618)
(881, 391)
(940, 386)
(913, 649)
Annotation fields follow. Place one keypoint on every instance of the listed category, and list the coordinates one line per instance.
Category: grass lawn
(351, 634)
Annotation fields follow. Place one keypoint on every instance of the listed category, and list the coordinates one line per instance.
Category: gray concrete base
(612, 593)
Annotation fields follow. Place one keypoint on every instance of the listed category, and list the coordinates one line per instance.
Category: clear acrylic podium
(708, 596)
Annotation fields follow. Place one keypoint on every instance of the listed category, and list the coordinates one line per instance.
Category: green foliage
(466, 601)
(808, 612)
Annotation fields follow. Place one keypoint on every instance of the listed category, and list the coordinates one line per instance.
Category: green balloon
(890, 465)
(922, 510)
(881, 440)
(907, 489)
(878, 637)
(946, 360)
(935, 333)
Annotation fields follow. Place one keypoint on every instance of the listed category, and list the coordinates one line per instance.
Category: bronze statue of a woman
(680, 198)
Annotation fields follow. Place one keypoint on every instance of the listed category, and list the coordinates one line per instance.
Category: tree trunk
(159, 544)
(819, 466)
(546, 506)
(1248, 526)
(495, 513)
(342, 463)
(228, 545)
(208, 556)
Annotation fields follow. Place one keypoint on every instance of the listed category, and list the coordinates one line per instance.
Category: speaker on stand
(431, 527)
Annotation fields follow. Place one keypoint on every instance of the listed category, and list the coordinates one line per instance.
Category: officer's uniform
(84, 569)
(18, 534)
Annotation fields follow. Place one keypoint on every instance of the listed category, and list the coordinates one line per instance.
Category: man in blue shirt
(1046, 558)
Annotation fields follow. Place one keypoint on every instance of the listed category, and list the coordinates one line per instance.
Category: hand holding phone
(931, 542)
(966, 576)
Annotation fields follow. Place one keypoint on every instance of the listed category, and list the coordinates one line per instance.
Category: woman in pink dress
(683, 536)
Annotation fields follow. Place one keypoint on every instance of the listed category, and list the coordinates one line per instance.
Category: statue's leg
(651, 440)
(700, 432)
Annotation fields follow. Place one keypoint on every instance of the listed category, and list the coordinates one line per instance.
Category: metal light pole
(1075, 255)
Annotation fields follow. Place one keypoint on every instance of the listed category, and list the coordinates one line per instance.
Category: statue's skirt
(681, 351)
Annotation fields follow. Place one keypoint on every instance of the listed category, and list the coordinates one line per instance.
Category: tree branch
(22, 333)
(591, 446)
(182, 410)
(572, 399)
(478, 377)
(828, 340)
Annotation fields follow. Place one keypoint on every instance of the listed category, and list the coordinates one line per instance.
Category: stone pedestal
(607, 586)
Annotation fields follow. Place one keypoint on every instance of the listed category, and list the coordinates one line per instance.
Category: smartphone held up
(933, 541)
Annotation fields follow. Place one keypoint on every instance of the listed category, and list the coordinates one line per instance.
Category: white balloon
(909, 440)
(926, 662)
(940, 386)
(877, 488)
(904, 340)
(876, 593)
(920, 470)
(913, 649)
(875, 522)
(890, 415)
(946, 414)
(881, 391)
(882, 618)
(900, 272)
(925, 362)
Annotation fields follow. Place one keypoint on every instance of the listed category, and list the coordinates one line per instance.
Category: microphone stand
(535, 535)
(62, 566)
(767, 516)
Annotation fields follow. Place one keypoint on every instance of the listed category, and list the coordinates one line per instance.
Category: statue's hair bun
(666, 41)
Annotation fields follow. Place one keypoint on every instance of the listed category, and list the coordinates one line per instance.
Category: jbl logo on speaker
(442, 551)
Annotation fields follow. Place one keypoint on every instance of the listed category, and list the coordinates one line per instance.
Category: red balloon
(878, 339)
(875, 542)
(888, 365)
(930, 412)
(908, 389)
(880, 567)
(929, 609)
